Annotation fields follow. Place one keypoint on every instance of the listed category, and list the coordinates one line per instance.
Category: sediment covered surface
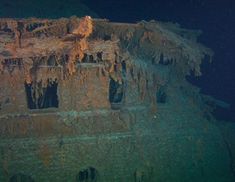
(85, 99)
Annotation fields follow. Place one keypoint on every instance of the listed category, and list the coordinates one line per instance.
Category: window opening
(89, 174)
(40, 97)
(21, 178)
(115, 91)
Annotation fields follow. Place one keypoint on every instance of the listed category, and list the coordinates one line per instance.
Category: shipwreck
(85, 99)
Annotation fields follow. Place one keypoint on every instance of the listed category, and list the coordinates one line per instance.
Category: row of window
(48, 97)
(90, 174)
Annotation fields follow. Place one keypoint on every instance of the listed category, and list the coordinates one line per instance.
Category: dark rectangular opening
(161, 95)
(40, 96)
(115, 91)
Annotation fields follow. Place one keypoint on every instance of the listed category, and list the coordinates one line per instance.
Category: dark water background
(216, 18)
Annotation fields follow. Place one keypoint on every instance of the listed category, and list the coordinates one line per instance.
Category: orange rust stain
(83, 31)
(45, 154)
(85, 27)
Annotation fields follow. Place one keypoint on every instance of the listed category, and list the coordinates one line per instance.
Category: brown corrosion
(45, 51)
